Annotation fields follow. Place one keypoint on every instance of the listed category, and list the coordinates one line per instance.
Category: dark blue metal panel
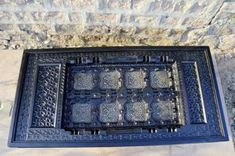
(117, 96)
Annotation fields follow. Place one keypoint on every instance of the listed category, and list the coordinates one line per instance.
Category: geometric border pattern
(22, 135)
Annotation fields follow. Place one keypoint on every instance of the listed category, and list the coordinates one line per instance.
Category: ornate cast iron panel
(117, 96)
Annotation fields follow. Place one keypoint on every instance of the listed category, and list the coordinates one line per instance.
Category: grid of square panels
(111, 79)
(122, 96)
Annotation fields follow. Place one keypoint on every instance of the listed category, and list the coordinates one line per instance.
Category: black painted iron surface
(117, 96)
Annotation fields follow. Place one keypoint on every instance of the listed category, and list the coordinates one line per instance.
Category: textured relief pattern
(81, 113)
(110, 80)
(160, 79)
(163, 111)
(135, 79)
(213, 129)
(84, 81)
(194, 95)
(46, 96)
(109, 112)
(137, 111)
(26, 99)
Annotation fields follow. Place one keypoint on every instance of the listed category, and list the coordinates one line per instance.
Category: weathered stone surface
(97, 18)
(195, 22)
(232, 87)
(154, 6)
(167, 5)
(68, 29)
(108, 22)
(226, 67)
(169, 21)
(78, 4)
(23, 16)
(50, 17)
(23, 4)
(143, 20)
(56, 3)
(75, 17)
(8, 27)
(180, 6)
(210, 40)
(119, 4)
(140, 5)
(5, 16)
(227, 42)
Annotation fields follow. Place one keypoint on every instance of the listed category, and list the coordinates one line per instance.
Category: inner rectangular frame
(97, 96)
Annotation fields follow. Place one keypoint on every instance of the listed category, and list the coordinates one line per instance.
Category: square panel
(135, 79)
(137, 111)
(109, 112)
(160, 79)
(84, 81)
(163, 111)
(81, 113)
(110, 79)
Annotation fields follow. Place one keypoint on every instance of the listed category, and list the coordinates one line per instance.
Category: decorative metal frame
(181, 105)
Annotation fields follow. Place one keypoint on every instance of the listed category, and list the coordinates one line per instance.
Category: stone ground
(226, 68)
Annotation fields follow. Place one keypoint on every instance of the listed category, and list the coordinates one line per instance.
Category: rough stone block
(119, 4)
(143, 20)
(20, 2)
(195, 22)
(7, 27)
(167, 20)
(229, 7)
(68, 28)
(50, 17)
(180, 6)
(75, 17)
(56, 4)
(99, 18)
(196, 7)
(23, 16)
(6, 17)
(141, 5)
(155, 6)
(167, 5)
(227, 42)
(124, 18)
(79, 4)
(210, 40)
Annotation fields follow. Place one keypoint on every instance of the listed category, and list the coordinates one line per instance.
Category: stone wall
(74, 23)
